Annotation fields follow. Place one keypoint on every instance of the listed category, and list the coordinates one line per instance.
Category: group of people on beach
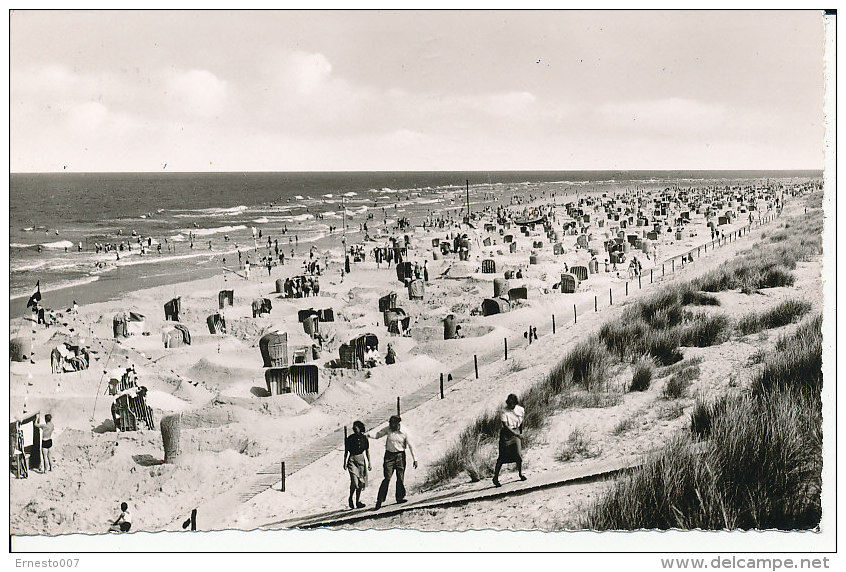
(357, 454)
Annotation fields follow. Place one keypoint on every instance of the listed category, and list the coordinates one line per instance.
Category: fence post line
(282, 486)
(663, 272)
(442, 385)
(673, 263)
(610, 298)
(575, 317)
(506, 347)
(650, 276)
(595, 304)
(476, 365)
(627, 288)
(553, 323)
(398, 406)
(639, 284)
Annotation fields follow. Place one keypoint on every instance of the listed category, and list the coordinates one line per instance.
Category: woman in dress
(510, 438)
(357, 462)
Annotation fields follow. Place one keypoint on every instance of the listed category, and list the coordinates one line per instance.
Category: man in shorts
(46, 428)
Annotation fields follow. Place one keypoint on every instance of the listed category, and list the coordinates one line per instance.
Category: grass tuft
(677, 385)
(781, 314)
(704, 414)
(642, 374)
(578, 445)
(796, 363)
(623, 425)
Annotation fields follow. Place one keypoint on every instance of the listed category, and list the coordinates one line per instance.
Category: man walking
(395, 445)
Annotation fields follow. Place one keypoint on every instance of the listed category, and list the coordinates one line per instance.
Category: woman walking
(510, 438)
(356, 452)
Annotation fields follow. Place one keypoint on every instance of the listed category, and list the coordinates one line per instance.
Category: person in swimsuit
(46, 428)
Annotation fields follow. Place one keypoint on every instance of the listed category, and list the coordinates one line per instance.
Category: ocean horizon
(56, 220)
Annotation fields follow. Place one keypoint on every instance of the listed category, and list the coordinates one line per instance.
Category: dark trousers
(393, 462)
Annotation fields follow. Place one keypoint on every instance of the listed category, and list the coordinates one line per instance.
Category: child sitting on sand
(124, 520)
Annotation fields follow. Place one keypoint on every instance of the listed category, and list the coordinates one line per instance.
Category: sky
(415, 90)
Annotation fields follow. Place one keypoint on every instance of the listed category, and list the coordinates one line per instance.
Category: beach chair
(216, 324)
(580, 272)
(172, 309)
(416, 289)
(303, 379)
(492, 306)
(569, 283)
(518, 294)
(227, 297)
(274, 349)
(276, 379)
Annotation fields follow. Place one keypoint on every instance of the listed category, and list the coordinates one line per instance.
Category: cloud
(510, 104)
(308, 73)
(87, 116)
(197, 92)
(667, 116)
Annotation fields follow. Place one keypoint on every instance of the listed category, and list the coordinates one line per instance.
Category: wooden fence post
(506, 347)
(442, 385)
(282, 487)
(476, 365)
(553, 323)
(398, 406)
(575, 317)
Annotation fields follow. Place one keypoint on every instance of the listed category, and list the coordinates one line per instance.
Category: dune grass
(577, 446)
(795, 363)
(770, 263)
(704, 413)
(759, 468)
(642, 374)
(677, 385)
(783, 313)
(623, 425)
(663, 332)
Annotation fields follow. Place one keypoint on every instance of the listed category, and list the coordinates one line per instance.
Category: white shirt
(396, 442)
(513, 418)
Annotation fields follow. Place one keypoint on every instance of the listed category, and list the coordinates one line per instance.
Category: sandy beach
(232, 429)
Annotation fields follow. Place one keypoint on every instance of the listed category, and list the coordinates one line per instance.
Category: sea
(198, 219)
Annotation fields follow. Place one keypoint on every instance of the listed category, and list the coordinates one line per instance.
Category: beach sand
(231, 429)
